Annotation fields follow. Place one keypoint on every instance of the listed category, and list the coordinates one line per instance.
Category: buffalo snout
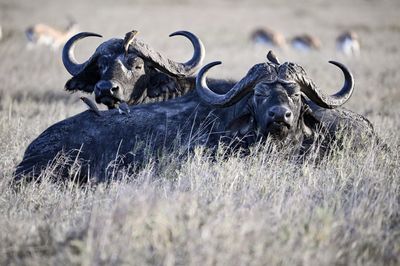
(280, 114)
(108, 92)
(276, 121)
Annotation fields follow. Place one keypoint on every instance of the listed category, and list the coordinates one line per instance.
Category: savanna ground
(258, 210)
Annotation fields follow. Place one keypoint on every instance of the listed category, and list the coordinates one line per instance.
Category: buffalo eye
(130, 61)
(259, 98)
(134, 63)
(296, 95)
(259, 95)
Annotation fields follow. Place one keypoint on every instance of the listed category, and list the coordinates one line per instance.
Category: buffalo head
(275, 97)
(123, 70)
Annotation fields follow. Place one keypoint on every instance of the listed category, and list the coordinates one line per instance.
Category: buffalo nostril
(114, 89)
(288, 114)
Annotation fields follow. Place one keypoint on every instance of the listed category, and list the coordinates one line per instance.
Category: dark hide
(96, 141)
(185, 120)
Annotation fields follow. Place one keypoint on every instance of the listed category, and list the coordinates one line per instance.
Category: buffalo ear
(84, 81)
(309, 121)
(76, 84)
(160, 84)
(154, 85)
(241, 125)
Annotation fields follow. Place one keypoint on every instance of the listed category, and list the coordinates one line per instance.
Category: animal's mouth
(278, 129)
(110, 101)
(279, 125)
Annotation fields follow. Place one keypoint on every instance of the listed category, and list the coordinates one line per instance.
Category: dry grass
(258, 210)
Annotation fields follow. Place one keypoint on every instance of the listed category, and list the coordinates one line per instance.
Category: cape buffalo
(130, 71)
(272, 101)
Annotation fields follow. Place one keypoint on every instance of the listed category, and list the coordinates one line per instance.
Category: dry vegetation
(258, 210)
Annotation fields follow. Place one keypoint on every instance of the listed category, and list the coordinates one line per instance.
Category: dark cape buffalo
(128, 70)
(273, 101)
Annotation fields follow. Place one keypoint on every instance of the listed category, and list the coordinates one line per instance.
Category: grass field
(258, 210)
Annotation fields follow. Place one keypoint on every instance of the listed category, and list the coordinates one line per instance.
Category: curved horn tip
(179, 32)
(68, 57)
(215, 63)
(241, 88)
(203, 71)
(201, 76)
(338, 99)
(345, 70)
(88, 34)
(171, 67)
(210, 65)
(335, 63)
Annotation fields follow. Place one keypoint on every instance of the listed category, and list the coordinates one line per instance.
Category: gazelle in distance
(42, 34)
(306, 42)
(348, 43)
(269, 37)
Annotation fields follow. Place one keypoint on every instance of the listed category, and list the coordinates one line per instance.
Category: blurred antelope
(348, 43)
(306, 42)
(42, 34)
(1, 33)
(267, 36)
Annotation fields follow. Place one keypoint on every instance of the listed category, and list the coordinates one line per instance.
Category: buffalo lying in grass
(273, 101)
